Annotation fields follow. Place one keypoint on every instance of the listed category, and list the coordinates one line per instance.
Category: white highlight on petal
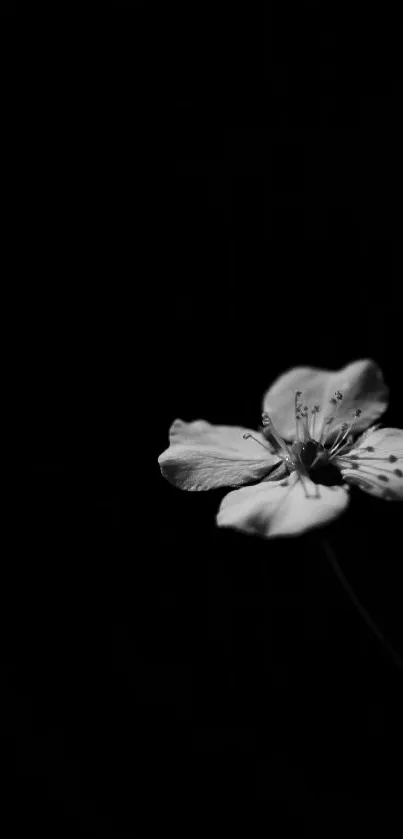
(283, 508)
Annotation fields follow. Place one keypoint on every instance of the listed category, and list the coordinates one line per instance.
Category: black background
(194, 206)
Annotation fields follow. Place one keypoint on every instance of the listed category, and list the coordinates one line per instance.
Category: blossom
(317, 437)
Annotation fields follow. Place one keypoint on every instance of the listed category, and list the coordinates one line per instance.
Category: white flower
(316, 438)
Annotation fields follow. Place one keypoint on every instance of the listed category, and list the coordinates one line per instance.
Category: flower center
(310, 450)
(307, 452)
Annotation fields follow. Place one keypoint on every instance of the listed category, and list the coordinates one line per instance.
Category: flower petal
(361, 384)
(375, 464)
(282, 508)
(203, 456)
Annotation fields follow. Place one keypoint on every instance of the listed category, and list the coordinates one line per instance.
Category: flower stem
(360, 608)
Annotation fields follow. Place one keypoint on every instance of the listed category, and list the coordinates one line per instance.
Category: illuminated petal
(361, 384)
(375, 464)
(282, 508)
(203, 456)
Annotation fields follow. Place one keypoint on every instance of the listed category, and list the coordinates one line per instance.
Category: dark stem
(361, 609)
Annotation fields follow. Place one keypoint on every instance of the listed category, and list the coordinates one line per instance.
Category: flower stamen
(343, 429)
(335, 400)
(338, 444)
(247, 436)
(271, 434)
(304, 420)
(298, 406)
(314, 412)
(302, 475)
(325, 430)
